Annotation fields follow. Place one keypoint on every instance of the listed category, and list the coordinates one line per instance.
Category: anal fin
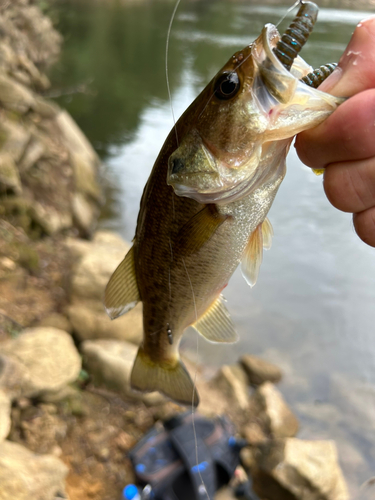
(169, 378)
(121, 293)
(216, 325)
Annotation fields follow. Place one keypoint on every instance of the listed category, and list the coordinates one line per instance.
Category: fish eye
(227, 86)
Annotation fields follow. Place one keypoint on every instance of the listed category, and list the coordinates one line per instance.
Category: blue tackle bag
(188, 458)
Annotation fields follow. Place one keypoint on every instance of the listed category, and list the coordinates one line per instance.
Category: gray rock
(15, 96)
(302, 470)
(9, 176)
(248, 457)
(14, 377)
(110, 363)
(85, 213)
(47, 109)
(225, 493)
(56, 320)
(5, 422)
(253, 433)
(110, 239)
(95, 268)
(34, 151)
(48, 358)
(232, 381)
(90, 321)
(44, 155)
(25, 475)
(270, 407)
(51, 220)
(83, 157)
(15, 138)
(259, 370)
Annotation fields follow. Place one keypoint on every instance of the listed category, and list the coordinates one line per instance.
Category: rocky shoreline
(68, 416)
(53, 393)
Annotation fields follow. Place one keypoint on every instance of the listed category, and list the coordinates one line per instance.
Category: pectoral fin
(216, 325)
(267, 233)
(171, 379)
(121, 293)
(199, 229)
(253, 256)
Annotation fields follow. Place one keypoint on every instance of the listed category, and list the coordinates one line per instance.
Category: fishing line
(191, 285)
(194, 384)
(166, 64)
(298, 2)
(231, 73)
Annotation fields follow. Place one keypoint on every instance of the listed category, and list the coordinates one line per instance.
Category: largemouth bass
(223, 161)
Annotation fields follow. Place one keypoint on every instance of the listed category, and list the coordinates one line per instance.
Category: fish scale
(204, 207)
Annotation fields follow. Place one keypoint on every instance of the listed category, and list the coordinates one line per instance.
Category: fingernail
(329, 84)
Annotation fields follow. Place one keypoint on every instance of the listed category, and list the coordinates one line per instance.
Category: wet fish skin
(221, 160)
(228, 165)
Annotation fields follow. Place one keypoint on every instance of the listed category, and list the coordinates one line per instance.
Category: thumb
(356, 69)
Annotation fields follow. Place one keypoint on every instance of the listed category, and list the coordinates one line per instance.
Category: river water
(312, 311)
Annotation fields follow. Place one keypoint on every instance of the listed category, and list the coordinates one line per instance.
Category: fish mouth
(193, 184)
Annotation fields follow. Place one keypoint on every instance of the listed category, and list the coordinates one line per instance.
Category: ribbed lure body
(297, 34)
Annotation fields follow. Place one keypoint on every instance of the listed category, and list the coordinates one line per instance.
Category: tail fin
(173, 380)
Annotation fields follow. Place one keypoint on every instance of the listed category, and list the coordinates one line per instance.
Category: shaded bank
(48, 170)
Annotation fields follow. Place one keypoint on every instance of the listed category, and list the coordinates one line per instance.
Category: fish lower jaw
(188, 188)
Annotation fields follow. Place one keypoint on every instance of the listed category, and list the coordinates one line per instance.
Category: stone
(51, 220)
(9, 176)
(110, 362)
(296, 469)
(25, 475)
(232, 381)
(45, 108)
(85, 213)
(248, 457)
(90, 321)
(5, 421)
(15, 96)
(31, 73)
(14, 139)
(83, 157)
(77, 247)
(109, 238)
(253, 433)
(14, 377)
(34, 151)
(95, 268)
(7, 264)
(49, 359)
(270, 407)
(259, 370)
(56, 320)
(225, 493)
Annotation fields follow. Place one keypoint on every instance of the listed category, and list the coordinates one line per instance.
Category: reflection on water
(312, 309)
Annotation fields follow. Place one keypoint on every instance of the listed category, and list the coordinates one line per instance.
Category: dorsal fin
(253, 255)
(216, 325)
(199, 229)
(121, 293)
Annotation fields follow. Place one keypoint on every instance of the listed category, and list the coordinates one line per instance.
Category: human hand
(344, 144)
